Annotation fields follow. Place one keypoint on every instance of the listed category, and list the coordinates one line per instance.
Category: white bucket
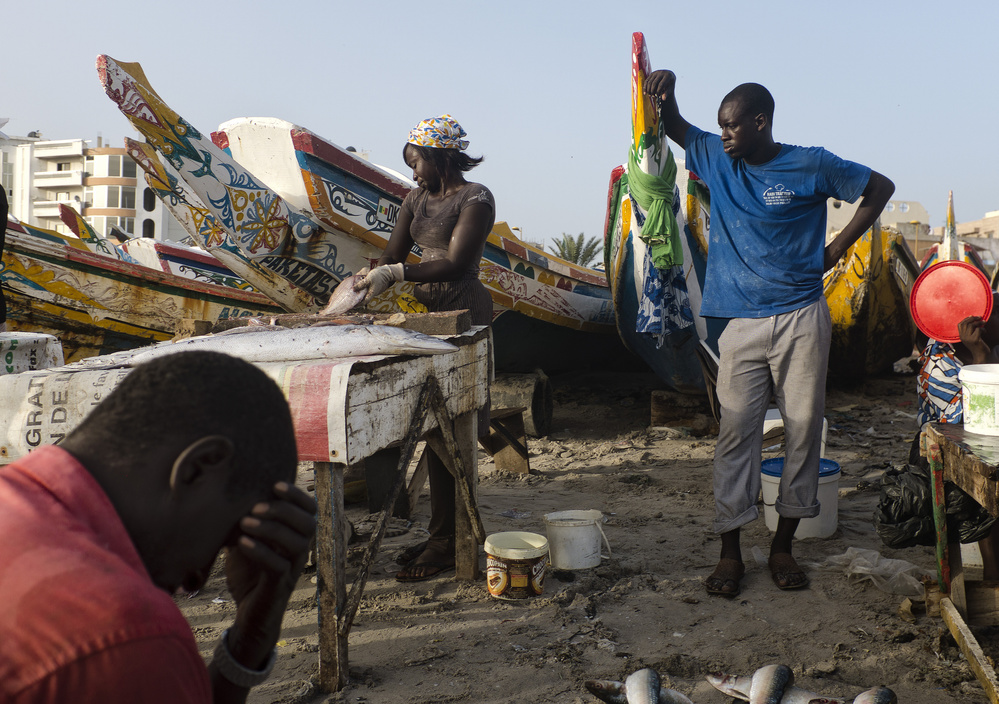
(980, 398)
(821, 526)
(574, 538)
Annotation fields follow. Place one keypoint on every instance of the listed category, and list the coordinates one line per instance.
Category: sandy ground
(450, 641)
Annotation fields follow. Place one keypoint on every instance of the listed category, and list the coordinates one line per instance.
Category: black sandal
(728, 571)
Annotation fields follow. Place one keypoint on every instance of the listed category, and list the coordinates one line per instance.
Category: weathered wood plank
(972, 651)
(331, 582)
(983, 603)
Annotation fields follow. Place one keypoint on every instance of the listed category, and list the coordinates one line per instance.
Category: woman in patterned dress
(449, 218)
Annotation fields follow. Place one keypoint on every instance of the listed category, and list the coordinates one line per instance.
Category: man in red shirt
(190, 454)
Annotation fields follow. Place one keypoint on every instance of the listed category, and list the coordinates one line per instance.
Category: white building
(103, 184)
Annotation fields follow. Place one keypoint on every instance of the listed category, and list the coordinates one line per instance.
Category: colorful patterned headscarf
(442, 132)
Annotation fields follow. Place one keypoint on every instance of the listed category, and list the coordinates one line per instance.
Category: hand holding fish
(379, 279)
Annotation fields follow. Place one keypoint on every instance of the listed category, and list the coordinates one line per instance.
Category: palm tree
(574, 250)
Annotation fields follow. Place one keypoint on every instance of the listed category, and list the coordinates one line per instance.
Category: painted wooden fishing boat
(313, 213)
(965, 253)
(209, 235)
(96, 303)
(952, 248)
(180, 260)
(868, 296)
(672, 356)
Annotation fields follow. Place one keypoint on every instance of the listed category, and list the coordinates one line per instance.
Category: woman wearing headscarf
(450, 219)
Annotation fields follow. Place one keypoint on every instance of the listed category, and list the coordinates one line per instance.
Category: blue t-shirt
(768, 224)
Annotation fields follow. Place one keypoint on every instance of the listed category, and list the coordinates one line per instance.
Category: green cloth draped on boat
(655, 196)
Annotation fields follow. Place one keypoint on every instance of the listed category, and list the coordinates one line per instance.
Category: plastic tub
(821, 526)
(574, 538)
(516, 563)
(980, 398)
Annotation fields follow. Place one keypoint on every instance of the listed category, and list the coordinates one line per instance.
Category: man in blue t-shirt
(767, 255)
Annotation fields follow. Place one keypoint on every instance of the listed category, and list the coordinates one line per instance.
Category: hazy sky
(542, 86)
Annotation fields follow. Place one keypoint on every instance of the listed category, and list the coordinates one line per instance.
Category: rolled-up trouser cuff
(797, 511)
(747, 516)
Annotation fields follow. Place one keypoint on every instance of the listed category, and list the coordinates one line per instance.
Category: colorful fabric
(442, 132)
(768, 224)
(80, 618)
(664, 303)
(655, 196)
(937, 385)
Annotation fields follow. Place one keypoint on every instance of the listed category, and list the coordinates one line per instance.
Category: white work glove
(379, 279)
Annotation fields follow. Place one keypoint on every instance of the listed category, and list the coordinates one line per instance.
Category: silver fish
(344, 297)
(306, 343)
(876, 695)
(671, 696)
(608, 691)
(740, 686)
(614, 692)
(769, 683)
(642, 687)
(252, 327)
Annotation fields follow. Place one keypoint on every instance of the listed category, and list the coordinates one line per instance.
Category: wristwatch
(233, 671)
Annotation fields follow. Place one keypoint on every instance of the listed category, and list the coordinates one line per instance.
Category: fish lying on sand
(305, 343)
(641, 687)
(344, 297)
(774, 684)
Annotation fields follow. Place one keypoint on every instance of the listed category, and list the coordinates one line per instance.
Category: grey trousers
(784, 357)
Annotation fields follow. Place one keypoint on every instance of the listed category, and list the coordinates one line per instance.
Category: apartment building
(101, 183)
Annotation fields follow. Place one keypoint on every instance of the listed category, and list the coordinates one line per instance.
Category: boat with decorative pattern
(674, 355)
(97, 303)
(313, 213)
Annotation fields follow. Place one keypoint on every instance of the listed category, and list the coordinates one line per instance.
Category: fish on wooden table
(252, 327)
(344, 297)
(767, 680)
(305, 343)
(641, 687)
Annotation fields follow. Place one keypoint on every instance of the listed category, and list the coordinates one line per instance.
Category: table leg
(466, 546)
(934, 456)
(331, 587)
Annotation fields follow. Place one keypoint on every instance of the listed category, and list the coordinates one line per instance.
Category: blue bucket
(774, 467)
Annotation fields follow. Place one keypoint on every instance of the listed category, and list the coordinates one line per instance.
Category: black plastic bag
(904, 514)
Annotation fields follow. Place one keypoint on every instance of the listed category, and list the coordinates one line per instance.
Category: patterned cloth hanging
(664, 303)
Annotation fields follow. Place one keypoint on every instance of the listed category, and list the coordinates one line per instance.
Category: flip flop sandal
(783, 567)
(411, 553)
(432, 569)
(727, 570)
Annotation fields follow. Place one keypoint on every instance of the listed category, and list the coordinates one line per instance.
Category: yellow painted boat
(97, 304)
(868, 297)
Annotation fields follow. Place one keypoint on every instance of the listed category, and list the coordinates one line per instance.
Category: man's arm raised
(662, 85)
